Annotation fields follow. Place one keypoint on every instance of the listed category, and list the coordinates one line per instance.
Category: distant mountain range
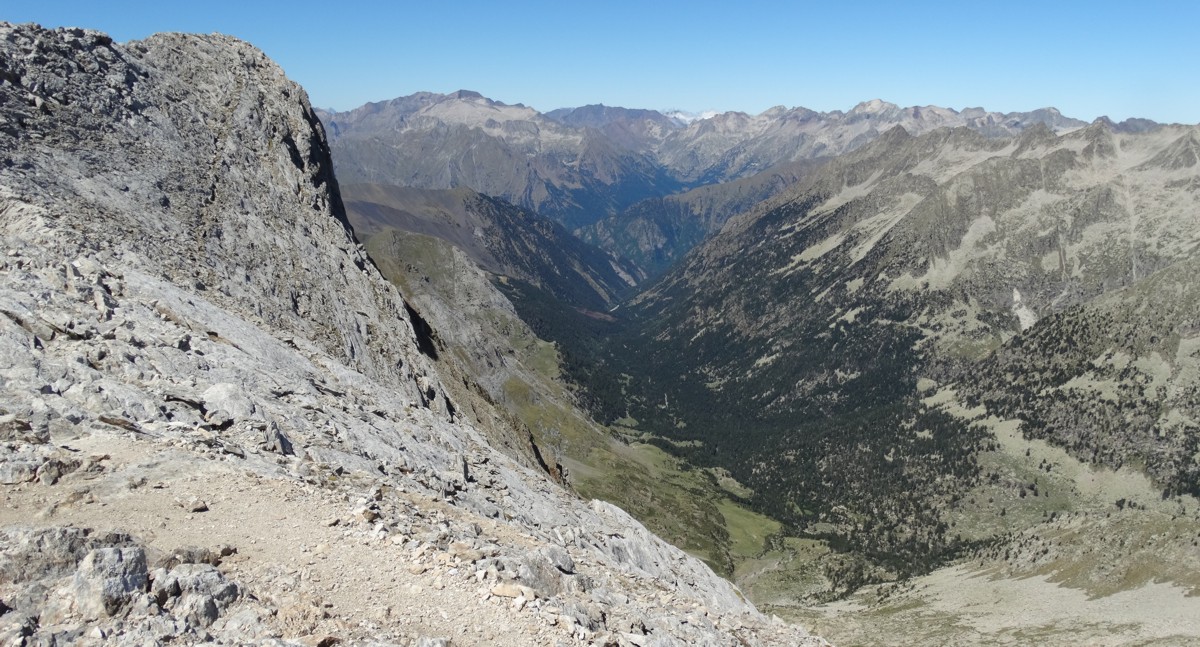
(611, 173)
(579, 165)
(909, 337)
(434, 141)
(860, 330)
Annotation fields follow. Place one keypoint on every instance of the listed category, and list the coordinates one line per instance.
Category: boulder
(230, 399)
(107, 579)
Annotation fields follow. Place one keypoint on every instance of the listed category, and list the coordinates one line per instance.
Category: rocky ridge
(196, 351)
(733, 144)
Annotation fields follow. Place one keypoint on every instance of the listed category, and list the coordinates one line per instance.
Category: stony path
(341, 580)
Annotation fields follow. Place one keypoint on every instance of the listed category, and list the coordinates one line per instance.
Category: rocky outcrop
(194, 348)
(194, 166)
(73, 586)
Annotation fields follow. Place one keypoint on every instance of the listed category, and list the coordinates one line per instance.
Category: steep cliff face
(197, 353)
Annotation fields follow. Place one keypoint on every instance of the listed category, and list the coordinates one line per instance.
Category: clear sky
(1121, 59)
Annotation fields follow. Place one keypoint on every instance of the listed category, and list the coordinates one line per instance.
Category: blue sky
(1128, 59)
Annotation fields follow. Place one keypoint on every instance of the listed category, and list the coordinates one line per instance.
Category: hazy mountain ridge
(583, 165)
(732, 145)
(572, 175)
(637, 129)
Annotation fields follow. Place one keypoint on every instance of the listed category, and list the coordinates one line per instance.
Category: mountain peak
(775, 112)
(466, 94)
(873, 107)
(685, 117)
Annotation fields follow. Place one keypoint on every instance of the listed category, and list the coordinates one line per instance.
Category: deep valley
(942, 354)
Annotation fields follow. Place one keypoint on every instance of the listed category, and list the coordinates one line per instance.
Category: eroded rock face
(107, 579)
(196, 159)
(176, 277)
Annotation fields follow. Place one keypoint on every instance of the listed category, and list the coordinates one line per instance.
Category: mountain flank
(873, 353)
(502, 374)
(497, 236)
(515, 153)
(924, 346)
(221, 423)
(652, 235)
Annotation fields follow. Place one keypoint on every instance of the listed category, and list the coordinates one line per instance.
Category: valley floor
(1098, 557)
(965, 605)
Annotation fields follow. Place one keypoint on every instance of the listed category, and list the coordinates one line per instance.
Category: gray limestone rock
(538, 572)
(16, 429)
(18, 471)
(74, 582)
(30, 554)
(229, 399)
(274, 440)
(194, 593)
(559, 558)
(107, 579)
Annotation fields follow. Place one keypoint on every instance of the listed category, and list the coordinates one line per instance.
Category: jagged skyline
(1086, 60)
